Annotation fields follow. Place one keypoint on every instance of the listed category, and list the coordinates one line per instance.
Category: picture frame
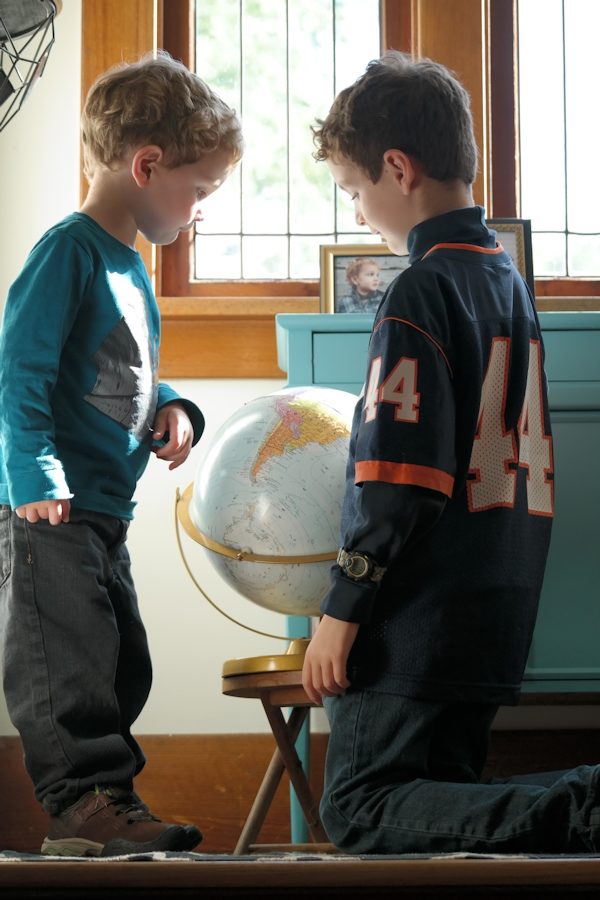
(335, 287)
(515, 237)
(336, 290)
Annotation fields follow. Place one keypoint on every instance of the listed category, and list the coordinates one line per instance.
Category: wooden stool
(277, 682)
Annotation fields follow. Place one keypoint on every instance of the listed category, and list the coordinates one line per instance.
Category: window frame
(227, 330)
(567, 293)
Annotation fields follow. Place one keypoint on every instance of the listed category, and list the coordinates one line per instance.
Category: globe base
(290, 661)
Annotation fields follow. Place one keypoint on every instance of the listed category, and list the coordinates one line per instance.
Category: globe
(266, 501)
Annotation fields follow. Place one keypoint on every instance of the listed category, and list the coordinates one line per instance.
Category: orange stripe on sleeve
(404, 473)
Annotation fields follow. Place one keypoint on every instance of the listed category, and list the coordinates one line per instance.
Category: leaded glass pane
(218, 26)
(264, 105)
(584, 255)
(310, 184)
(582, 27)
(279, 63)
(541, 118)
(356, 39)
(559, 134)
(549, 254)
(265, 257)
(303, 251)
(218, 257)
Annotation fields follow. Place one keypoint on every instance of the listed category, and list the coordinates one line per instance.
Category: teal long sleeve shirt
(79, 383)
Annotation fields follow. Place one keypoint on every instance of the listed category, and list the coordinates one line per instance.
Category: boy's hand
(324, 672)
(56, 511)
(173, 420)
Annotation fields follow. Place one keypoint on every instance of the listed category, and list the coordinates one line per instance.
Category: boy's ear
(404, 168)
(144, 162)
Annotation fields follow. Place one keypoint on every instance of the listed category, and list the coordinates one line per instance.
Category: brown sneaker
(113, 822)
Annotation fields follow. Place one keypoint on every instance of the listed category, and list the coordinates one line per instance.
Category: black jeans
(403, 776)
(77, 669)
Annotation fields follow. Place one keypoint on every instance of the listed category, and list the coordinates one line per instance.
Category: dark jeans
(403, 776)
(77, 669)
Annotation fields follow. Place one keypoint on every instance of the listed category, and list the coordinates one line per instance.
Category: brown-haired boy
(449, 503)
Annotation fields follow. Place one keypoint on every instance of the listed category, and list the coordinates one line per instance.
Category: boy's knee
(341, 830)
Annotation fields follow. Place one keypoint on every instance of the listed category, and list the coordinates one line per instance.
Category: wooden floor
(289, 879)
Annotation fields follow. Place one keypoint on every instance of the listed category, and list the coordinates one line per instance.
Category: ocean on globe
(272, 483)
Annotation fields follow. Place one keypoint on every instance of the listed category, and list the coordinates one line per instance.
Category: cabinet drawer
(340, 358)
(572, 355)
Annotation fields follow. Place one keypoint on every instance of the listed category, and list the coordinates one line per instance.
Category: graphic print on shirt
(125, 388)
(498, 451)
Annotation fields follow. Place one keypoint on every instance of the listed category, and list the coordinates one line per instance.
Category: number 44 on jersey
(497, 451)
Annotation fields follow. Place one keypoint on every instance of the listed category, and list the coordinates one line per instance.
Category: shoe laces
(128, 804)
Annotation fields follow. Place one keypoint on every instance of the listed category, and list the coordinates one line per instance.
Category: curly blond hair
(353, 268)
(155, 101)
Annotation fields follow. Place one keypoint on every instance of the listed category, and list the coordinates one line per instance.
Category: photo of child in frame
(354, 278)
(363, 277)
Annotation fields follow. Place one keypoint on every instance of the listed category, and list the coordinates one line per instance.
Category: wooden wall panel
(114, 31)
(396, 25)
(455, 34)
(212, 779)
(223, 348)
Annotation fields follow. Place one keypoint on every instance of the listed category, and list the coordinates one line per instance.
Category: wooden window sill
(235, 338)
(224, 338)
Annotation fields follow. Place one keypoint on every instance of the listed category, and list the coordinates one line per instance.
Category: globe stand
(272, 480)
(182, 515)
(290, 661)
(277, 682)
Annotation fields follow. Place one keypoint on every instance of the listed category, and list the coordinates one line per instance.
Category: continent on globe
(271, 484)
(302, 422)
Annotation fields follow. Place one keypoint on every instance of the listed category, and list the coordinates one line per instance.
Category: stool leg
(285, 741)
(260, 807)
(269, 785)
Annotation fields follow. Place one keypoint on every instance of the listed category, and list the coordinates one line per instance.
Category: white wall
(39, 151)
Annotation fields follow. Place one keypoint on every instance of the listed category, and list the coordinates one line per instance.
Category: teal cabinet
(331, 350)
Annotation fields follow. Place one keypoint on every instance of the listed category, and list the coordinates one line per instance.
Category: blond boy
(81, 409)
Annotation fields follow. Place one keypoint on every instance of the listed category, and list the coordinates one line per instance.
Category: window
(219, 328)
(285, 62)
(558, 136)
(267, 222)
(543, 141)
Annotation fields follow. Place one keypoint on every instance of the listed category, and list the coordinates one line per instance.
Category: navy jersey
(450, 474)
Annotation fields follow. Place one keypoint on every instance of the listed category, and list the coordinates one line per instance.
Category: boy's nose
(358, 216)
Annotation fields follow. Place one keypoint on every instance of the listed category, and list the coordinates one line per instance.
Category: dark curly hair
(416, 106)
